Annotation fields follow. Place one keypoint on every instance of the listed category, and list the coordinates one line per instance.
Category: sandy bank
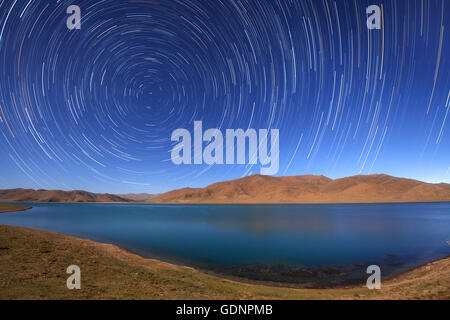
(12, 207)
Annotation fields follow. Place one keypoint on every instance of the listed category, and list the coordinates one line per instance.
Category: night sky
(94, 108)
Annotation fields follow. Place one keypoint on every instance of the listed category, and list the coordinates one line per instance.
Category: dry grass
(33, 266)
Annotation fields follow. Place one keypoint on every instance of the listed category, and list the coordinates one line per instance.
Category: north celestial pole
(94, 108)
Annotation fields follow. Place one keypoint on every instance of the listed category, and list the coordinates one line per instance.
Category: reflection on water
(294, 243)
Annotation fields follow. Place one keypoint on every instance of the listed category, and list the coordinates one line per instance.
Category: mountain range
(263, 189)
(310, 189)
(30, 195)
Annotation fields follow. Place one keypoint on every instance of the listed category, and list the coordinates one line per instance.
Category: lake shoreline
(95, 259)
(225, 203)
(4, 208)
(313, 284)
(320, 277)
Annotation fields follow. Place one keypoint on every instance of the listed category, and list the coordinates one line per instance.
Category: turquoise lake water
(336, 242)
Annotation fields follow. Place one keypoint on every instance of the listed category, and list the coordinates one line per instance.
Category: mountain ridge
(137, 196)
(42, 195)
(374, 188)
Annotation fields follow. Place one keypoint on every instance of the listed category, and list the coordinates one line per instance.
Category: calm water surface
(252, 240)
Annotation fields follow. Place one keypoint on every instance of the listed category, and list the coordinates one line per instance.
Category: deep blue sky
(94, 108)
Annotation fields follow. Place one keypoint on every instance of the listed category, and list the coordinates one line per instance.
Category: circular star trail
(94, 108)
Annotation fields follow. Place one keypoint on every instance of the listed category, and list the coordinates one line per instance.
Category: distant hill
(137, 196)
(310, 189)
(30, 195)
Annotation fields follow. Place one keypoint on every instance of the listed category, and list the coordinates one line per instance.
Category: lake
(311, 245)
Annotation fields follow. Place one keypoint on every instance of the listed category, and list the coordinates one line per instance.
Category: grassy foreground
(33, 265)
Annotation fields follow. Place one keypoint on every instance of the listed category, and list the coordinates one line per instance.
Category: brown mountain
(137, 196)
(310, 189)
(30, 195)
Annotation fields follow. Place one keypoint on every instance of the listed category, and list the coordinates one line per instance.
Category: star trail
(94, 108)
